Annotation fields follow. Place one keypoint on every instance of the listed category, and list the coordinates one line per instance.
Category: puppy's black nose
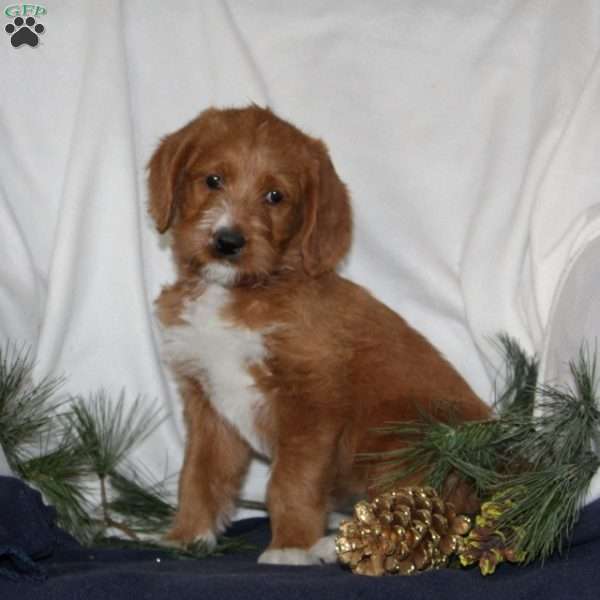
(229, 242)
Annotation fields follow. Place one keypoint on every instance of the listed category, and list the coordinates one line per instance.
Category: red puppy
(274, 352)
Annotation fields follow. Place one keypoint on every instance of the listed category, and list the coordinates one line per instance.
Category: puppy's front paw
(321, 552)
(324, 549)
(288, 556)
(175, 540)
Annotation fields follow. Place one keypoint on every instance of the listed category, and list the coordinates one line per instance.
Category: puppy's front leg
(216, 459)
(298, 494)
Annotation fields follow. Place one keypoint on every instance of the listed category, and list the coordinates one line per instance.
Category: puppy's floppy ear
(165, 179)
(327, 228)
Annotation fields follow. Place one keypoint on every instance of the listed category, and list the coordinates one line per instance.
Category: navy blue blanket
(38, 561)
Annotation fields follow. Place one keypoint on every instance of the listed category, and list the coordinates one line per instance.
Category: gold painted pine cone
(403, 531)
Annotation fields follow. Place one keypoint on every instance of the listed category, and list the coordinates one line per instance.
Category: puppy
(274, 353)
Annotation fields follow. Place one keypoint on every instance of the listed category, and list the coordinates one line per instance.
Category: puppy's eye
(274, 197)
(214, 182)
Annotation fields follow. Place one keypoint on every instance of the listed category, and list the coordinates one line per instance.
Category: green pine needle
(147, 505)
(545, 504)
(107, 431)
(434, 450)
(26, 408)
(519, 381)
(568, 425)
(59, 474)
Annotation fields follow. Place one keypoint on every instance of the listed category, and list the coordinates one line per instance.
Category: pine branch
(145, 503)
(434, 450)
(107, 432)
(519, 381)
(26, 408)
(59, 474)
(568, 424)
(545, 505)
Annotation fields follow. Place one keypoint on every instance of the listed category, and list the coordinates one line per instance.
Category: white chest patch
(218, 354)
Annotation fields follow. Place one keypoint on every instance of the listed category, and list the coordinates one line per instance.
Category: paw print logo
(24, 32)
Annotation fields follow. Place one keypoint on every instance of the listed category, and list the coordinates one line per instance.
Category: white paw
(322, 552)
(324, 549)
(287, 556)
(208, 538)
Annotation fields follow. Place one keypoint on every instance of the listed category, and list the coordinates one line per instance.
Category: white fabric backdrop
(467, 130)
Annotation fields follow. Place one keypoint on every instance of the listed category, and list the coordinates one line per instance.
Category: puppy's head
(247, 195)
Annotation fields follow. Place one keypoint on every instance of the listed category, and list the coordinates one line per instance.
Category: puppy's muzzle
(228, 243)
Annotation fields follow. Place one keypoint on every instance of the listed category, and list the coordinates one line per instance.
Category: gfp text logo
(25, 10)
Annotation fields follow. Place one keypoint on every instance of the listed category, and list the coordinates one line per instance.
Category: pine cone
(403, 531)
(488, 544)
